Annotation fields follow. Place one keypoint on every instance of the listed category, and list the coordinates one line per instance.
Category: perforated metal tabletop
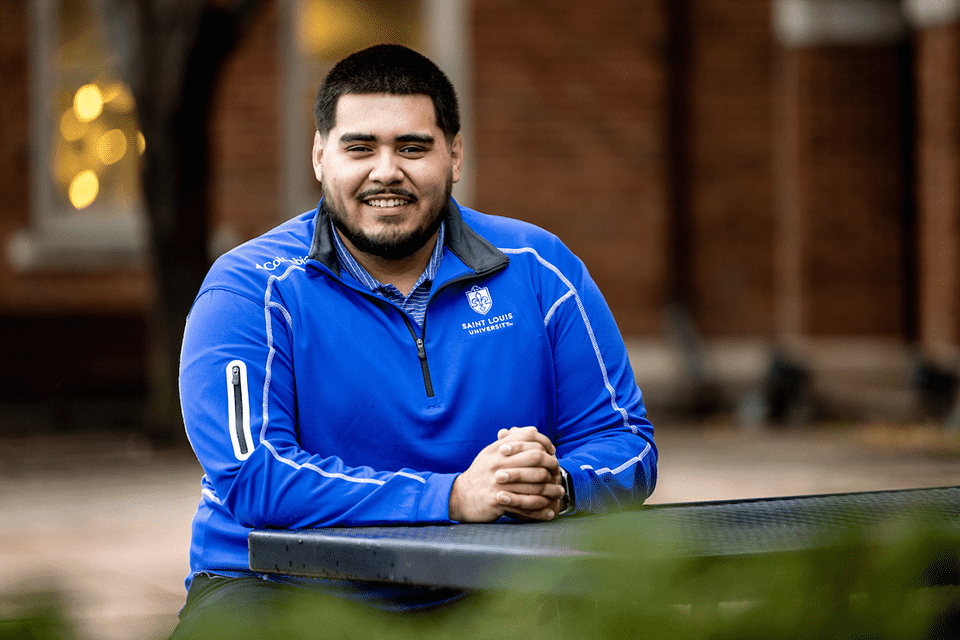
(500, 555)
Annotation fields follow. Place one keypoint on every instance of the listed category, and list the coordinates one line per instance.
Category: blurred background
(766, 191)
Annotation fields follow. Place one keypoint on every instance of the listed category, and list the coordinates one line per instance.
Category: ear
(456, 157)
(317, 155)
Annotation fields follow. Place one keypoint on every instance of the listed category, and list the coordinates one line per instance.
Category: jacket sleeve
(239, 408)
(604, 439)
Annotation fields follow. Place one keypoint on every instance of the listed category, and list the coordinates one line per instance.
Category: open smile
(388, 203)
(386, 198)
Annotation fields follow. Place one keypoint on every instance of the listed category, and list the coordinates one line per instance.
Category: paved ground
(105, 520)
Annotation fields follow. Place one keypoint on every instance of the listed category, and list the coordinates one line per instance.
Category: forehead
(384, 113)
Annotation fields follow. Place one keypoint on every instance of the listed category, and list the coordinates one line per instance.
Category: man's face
(386, 171)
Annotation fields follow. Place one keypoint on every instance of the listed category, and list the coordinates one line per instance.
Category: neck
(402, 273)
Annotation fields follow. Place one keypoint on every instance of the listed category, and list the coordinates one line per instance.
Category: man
(393, 357)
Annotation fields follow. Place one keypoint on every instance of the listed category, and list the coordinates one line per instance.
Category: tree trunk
(171, 55)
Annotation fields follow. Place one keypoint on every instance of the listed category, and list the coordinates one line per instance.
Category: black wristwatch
(568, 501)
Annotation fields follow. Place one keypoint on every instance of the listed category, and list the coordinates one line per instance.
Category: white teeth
(385, 203)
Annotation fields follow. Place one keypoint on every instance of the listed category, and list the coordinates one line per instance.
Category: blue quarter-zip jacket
(311, 402)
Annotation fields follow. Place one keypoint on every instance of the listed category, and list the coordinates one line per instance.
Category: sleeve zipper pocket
(238, 402)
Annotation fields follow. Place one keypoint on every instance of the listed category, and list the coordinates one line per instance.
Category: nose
(386, 168)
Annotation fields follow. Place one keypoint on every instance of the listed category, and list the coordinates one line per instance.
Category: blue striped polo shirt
(416, 303)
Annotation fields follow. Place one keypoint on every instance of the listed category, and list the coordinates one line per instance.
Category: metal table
(524, 556)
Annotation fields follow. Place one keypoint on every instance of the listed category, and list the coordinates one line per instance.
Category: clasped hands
(517, 475)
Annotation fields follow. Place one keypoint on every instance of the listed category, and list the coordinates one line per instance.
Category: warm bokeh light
(118, 98)
(141, 143)
(111, 146)
(92, 157)
(329, 26)
(330, 29)
(70, 127)
(66, 163)
(88, 102)
(83, 189)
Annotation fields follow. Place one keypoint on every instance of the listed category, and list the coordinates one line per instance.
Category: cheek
(336, 185)
(434, 181)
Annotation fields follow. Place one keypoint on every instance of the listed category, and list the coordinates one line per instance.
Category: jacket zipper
(421, 349)
(422, 354)
(238, 409)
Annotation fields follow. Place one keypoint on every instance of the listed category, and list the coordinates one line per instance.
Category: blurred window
(322, 32)
(85, 196)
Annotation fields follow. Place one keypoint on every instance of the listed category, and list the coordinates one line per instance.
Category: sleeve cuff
(434, 504)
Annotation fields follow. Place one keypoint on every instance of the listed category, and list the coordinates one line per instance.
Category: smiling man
(387, 171)
(392, 357)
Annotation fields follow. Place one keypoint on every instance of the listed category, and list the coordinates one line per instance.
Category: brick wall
(730, 186)
(14, 131)
(246, 133)
(938, 186)
(569, 135)
(840, 247)
(573, 132)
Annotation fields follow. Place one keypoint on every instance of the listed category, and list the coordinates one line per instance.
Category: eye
(413, 150)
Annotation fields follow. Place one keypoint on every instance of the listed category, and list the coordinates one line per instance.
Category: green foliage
(877, 584)
(35, 617)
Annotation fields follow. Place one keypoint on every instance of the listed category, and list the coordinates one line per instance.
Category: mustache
(387, 191)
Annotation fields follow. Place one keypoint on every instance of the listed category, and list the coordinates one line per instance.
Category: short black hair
(387, 68)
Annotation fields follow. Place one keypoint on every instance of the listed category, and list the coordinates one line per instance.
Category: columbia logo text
(270, 265)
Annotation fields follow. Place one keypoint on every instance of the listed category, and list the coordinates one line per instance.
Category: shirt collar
(355, 269)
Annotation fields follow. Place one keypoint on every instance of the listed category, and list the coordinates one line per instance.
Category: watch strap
(568, 501)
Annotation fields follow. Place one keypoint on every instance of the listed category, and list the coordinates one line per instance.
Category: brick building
(783, 170)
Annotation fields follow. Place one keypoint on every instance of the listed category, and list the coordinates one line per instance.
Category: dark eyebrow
(423, 138)
(357, 137)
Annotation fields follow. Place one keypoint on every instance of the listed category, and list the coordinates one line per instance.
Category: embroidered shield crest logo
(479, 299)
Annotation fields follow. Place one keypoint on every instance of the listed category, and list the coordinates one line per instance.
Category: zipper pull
(421, 351)
(236, 376)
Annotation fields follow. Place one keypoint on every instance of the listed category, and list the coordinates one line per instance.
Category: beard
(390, 244)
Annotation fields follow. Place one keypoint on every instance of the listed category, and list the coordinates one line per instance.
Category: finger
(549, 491)
(543, 515)
(514, 432)
(526, 475)
(546, 514)
(531, 457)
(530, 434)
(523, 501)
(552, 506)
(518, 446)
(543, 440)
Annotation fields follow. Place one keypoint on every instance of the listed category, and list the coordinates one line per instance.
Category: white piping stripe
(411, 476)
(556, 304)
(626, 465)
(316, 469)
(286, 314)
(268, 304)
(210, 495)
(593, 340)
